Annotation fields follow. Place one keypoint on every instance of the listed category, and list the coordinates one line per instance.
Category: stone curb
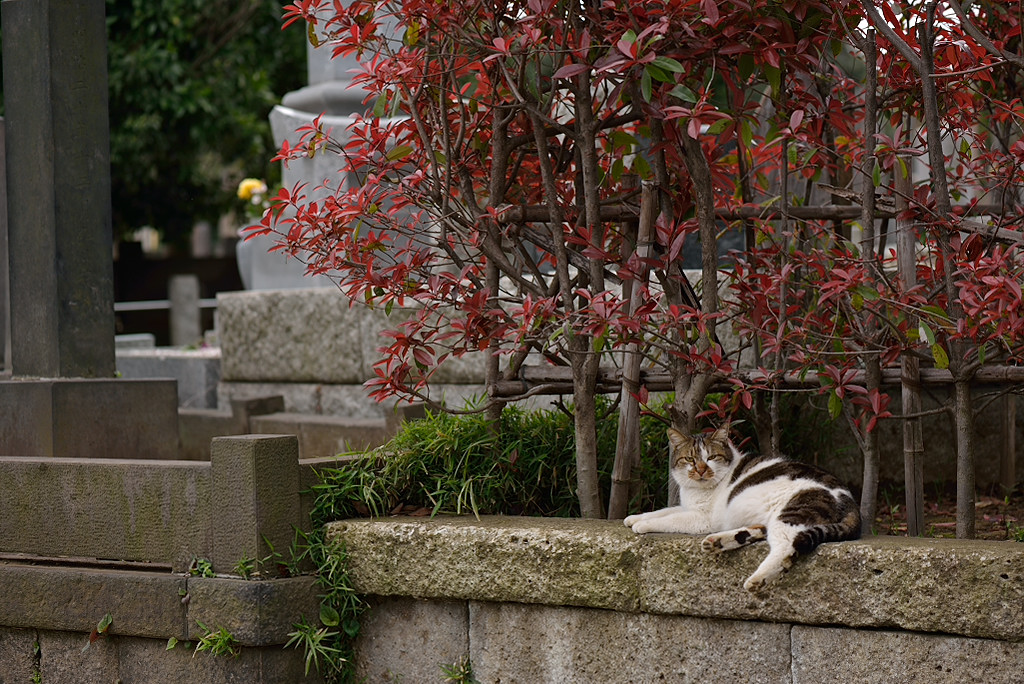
(971, 588)
(154, 604)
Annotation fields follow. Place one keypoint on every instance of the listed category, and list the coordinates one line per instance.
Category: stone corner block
(255, 484)
(255, 612)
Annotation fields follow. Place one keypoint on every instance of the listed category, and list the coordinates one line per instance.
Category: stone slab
(847, 656)
(968, 588)
(78, 418)
(312, 336)
(197, 371)
(256, 612)
(324, 436)
(157, 511)
(17, 655)
(407, 640)
(530, 560)
(512, 642)
(130, 660)
(76, 599)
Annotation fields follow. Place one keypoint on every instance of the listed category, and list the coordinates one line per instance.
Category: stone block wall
(539, 600)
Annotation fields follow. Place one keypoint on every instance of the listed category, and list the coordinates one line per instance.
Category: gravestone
(5, 328)
(60, 246)
(330, 93)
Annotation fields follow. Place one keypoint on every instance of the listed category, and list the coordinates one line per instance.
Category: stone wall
(540, 600)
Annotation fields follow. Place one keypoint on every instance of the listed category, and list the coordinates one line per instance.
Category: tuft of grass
(460, 464)
(217, 643)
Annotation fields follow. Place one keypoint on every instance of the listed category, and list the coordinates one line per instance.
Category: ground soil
(996, 518)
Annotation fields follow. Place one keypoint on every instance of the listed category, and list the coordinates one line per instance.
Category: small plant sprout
(217, 643)
(459, 672)
(246, 567)
(201, 567)
(99, 631)
(318, 646)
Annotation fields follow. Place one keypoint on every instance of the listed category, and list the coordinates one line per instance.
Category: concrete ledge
(155, 605)
(83, 418)
(969, 588)
(105, 508)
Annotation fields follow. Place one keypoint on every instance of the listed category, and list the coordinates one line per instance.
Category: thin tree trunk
(910, 376)
(627, 444)
(872, 367)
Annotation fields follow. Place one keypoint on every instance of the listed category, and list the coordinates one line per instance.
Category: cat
(737, 499)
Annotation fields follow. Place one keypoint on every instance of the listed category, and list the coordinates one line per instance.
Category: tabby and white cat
(738, 499)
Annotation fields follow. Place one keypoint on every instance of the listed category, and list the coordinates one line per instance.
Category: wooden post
(1008, 456)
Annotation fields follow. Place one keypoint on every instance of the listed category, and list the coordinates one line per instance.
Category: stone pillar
(63, 399)
(255, 484)
(58, 186)
(186, 323)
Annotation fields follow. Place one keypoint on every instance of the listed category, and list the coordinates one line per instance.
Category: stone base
(83, 418)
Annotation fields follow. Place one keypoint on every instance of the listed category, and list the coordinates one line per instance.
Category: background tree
(191, 85)
(493, 192)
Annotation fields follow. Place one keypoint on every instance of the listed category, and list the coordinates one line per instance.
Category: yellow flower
(250, 187)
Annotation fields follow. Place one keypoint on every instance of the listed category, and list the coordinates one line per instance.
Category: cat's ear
(722, 434)
(677, 439)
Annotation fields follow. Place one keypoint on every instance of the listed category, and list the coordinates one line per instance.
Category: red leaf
(570, 70)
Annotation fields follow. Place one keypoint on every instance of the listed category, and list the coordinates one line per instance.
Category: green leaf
(939, 354)
(876, 175)
(351, 628)
(683, 93)
(668, 64)
(329, 616)
(718, 126)
(104, 624)
(746, 65)
(857, 301)
(645, 85)
(381, 105)
(171, 643)
(400, 152)
(927, 332)
(835, 405)
(774, 77)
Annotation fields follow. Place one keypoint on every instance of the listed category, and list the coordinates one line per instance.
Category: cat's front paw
(631, 520)
(712, 544)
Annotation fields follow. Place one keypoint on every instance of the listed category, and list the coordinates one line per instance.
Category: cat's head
(702, 460)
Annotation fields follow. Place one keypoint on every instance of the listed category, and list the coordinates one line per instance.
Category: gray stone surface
(106, 417)
(323, 436)
(408, 641)
(970, 588)
(256, 612)
(59, 216)
(197, 371)
(292, 336)
(157, 511)
(128, 660)
(532, 560)
(850, 656)
(311, 336)
(512, 642)
(74, 599)
(255, 482)
(17, 655)
(183, 292)
(5, 299)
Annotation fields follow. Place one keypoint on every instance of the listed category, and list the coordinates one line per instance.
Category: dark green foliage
(191, 85)
(458, 464)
